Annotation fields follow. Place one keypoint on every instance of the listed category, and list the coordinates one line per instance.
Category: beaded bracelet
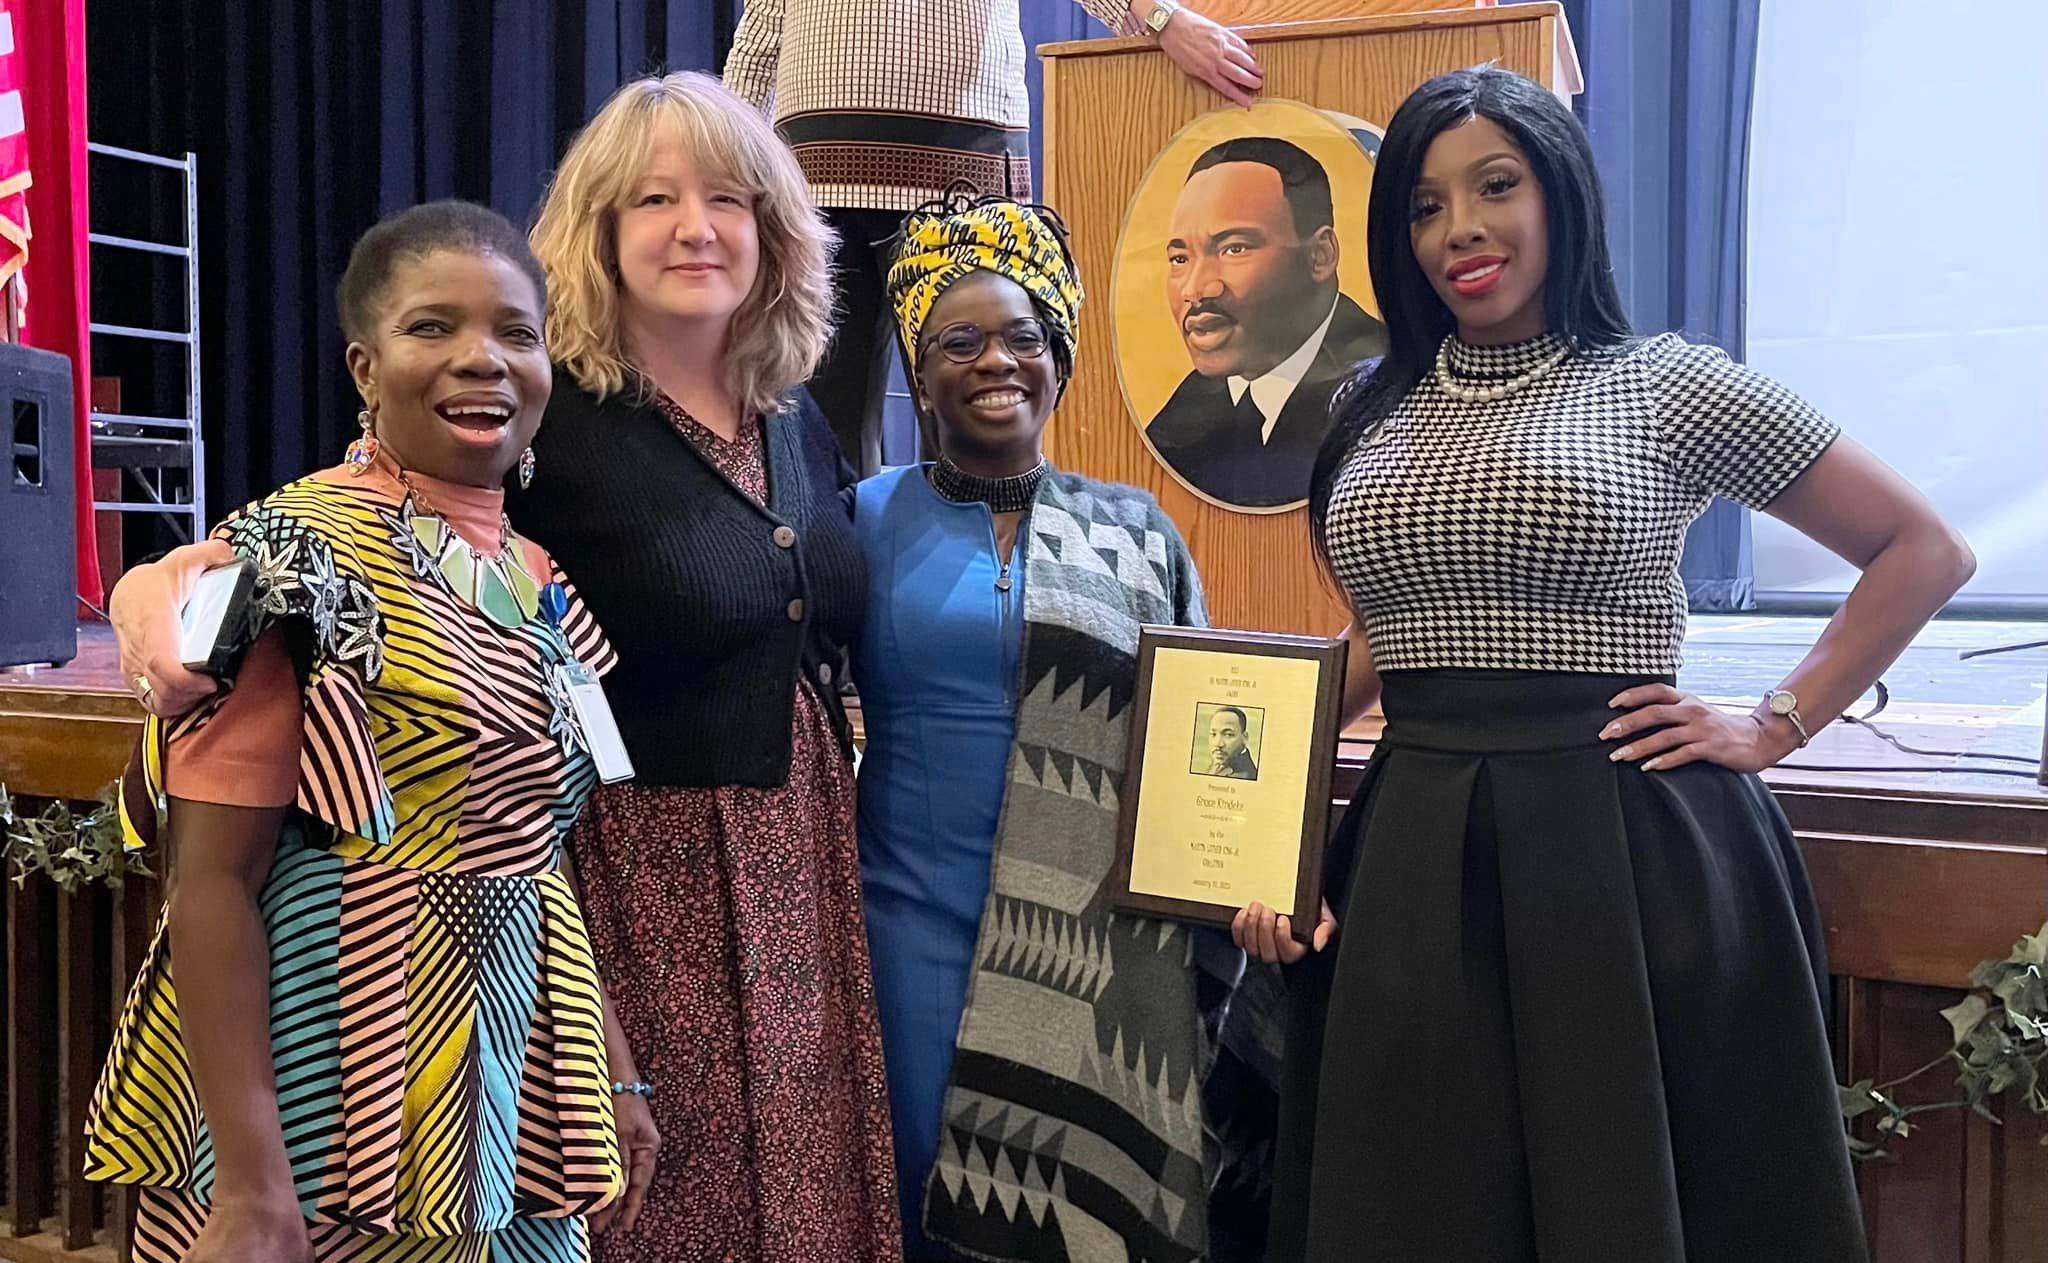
(645, 1090)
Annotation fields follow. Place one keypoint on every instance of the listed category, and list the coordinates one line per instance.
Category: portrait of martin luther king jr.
(1251, 281)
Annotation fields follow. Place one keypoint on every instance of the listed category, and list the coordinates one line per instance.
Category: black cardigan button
(796, 610)
(784, 537)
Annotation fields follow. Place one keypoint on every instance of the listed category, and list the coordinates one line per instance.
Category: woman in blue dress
(1046, 1055)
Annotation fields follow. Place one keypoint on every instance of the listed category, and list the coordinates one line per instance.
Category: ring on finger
(143, 689)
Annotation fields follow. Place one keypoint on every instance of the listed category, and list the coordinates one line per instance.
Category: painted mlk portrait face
(1247, 279)
(1252, 283)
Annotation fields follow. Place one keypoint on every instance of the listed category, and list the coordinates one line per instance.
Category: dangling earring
(526, 469)
(362, 453)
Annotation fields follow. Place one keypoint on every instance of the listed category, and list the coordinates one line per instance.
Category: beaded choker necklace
(1012, 493)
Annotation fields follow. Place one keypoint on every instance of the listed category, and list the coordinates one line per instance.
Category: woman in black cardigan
(701, 501)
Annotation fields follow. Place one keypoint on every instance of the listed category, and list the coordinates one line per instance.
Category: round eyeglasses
(964, 343)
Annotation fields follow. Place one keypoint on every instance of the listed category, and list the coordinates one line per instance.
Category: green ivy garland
(2000, 1046)
(73, 848)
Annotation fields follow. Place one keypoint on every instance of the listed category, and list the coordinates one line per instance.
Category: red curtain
(50, 55)
(14, 169)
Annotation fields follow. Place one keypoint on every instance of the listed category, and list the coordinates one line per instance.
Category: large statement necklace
(498, 587)
(1012, 493)
(1497, 391)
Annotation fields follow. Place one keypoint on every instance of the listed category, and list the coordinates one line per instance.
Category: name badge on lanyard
(576, 683)
(594, 716)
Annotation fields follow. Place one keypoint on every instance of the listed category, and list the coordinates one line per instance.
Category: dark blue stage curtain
(313, 117)
(1048, 22)
(1667, 103)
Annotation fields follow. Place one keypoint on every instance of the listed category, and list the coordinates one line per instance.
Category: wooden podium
(1111, 107)
(1265, 12)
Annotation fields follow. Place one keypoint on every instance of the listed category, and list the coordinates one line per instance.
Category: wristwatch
(1784, 702)
(1162, 13)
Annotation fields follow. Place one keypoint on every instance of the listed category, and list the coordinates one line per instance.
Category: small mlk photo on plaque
(1226, 795)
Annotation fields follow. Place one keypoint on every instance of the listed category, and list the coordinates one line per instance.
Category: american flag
(14, 175)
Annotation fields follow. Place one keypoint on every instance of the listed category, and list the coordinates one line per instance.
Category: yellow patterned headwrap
(944, 241)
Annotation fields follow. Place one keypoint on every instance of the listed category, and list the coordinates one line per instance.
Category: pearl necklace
(1457, 390)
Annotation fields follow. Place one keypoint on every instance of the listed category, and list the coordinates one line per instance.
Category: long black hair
(1580, 300)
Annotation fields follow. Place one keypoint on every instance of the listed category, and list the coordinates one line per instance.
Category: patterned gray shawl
(1075, 1124)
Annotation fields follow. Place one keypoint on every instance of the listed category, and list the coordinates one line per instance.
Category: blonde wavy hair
(779, 333)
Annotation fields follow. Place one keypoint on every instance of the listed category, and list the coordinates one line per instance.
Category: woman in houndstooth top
(1576, 1010)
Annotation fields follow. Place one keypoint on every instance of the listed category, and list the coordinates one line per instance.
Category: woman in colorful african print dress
(386, 1038)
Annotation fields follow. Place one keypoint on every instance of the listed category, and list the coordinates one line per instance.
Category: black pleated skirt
(1574, 1012)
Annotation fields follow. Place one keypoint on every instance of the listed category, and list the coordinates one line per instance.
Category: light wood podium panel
(1110, 107)
(1262, 12)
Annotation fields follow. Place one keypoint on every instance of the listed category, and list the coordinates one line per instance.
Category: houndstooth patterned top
(1542, 531)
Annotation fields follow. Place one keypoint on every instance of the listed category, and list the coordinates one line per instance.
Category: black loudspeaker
(38, 532)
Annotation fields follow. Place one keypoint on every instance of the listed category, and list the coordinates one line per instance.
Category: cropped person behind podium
(1021, 1014)
(386, 1034)
(889, 103)
(698, 497)
(1577, 1006)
